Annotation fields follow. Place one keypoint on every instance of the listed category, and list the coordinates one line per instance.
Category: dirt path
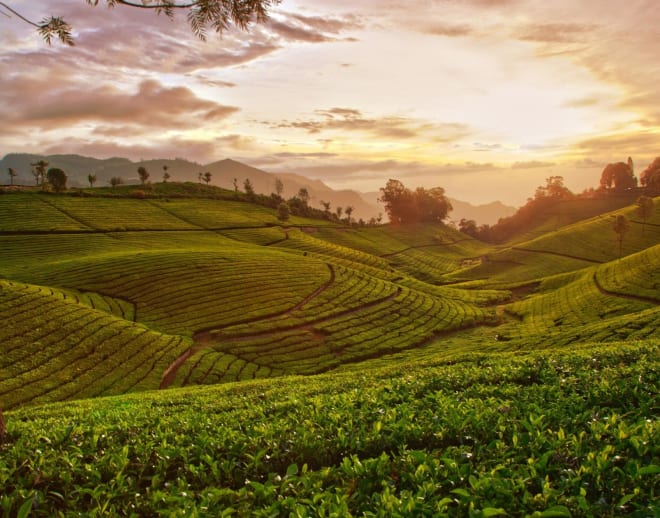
(204, 337)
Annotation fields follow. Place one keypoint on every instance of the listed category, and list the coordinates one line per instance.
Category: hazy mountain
(365, 205)
(487, 214)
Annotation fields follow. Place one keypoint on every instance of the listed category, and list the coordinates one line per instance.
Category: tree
(326, 207)
(116, 180)
(235, 183)
(303, 195)
(645, 209)
(468, 227)
(279, 187)
(57, 178)
(207, 177)
(91, 178)
(283, 211)
(650, 177)
(166, 175)
(200, 176)
(12, 174)
(618, 176)
(348, 211)
(338, 211)
(620, 227)
(247, 185)
(405, 206)
(39, 171)
(143, 174)
(217, 15)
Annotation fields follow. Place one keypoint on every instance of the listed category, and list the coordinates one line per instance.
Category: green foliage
(283, 211)
(551, 434)
(57, 178)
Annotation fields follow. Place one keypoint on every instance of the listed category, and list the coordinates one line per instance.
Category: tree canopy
(217, 15)
(406, 206)
(618, 176)
(650, 177)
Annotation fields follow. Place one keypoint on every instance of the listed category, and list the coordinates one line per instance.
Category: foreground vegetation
(558, 433)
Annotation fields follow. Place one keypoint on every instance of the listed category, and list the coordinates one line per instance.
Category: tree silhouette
(116, 180)
(618, 176)
(283, 211)
(143, 174)
(247, 185)
(645, 209)
(91, 178)
(39, 171)
(166, 175)
(650, 177)
(405, 206)
(57, 178)
(279, 187)
(348, 211)
(12, 175)
(217, 15)
(338, 211)
(303, 195)
(620, 227)
(207, 177)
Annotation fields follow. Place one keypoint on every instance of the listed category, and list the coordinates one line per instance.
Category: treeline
(616, 178)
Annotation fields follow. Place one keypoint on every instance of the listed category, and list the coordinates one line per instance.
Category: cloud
(452, 31)
(617, 147)
(49, 104)
(531, 164)
(176, 147)
(350, 119)
(311, 29)
(554, 32)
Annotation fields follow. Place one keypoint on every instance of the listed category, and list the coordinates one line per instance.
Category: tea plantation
(257, 368)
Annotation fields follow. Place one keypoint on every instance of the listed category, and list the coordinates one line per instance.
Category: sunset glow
(483, 97)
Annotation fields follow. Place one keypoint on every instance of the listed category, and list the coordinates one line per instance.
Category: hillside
(426, 355)
(223, 174)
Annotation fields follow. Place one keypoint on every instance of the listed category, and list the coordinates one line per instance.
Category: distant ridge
(365, 205)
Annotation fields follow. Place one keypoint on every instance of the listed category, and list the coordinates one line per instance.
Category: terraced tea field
(442, 377)
(244, 297)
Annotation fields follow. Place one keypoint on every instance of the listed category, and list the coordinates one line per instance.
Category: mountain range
(224, 172)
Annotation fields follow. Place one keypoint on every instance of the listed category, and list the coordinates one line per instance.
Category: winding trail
(205, 336)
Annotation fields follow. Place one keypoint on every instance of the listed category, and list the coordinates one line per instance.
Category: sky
(486, 98)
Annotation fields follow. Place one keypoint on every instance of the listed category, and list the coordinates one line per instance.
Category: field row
(524, 434)
(72, 351)
(635, 275)
(180, 292)
(315, 341)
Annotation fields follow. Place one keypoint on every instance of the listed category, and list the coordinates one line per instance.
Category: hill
(223, 174)
(441, 374)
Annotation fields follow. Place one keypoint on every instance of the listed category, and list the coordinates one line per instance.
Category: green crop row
(54, 348)
(571, 433)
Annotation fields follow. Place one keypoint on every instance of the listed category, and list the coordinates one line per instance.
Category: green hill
(442, 376)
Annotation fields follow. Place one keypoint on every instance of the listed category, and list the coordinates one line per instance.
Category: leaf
(558, 511)
(492, 511)
(461, 492)
(25, 509)
(292, 470)
(626, 499)
(649, 470)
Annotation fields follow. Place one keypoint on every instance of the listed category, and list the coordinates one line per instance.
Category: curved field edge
(56, 346)
(565, 433)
